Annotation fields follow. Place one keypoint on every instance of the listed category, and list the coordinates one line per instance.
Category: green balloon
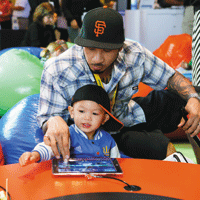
(20, 76)
(69, 44)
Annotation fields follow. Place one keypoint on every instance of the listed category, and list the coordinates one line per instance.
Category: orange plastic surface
(177, 180)
(143, 90)
(175, 50)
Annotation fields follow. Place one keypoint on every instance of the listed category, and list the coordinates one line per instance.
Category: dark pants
(163, 113)
(6, 25)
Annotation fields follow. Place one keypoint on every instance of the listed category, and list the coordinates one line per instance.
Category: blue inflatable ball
(19, 131)
(20, 76)
(32, 50)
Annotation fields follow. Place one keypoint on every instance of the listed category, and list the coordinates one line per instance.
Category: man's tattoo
(181, 85)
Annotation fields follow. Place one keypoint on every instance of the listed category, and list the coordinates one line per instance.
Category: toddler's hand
(28, 158)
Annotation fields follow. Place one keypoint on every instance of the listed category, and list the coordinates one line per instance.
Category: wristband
(194, 95)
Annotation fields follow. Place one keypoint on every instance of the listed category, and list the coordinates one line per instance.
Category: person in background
(21, 11)
(90, 109)
(108, 3)
(188, 18)
(5, 14)
(73, 11)
(42, 31)
(35, 3)
(187, 23)
(169, 3)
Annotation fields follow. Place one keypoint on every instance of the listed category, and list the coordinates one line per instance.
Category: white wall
(151, 27)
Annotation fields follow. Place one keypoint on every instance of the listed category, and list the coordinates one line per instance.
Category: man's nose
(98, 58)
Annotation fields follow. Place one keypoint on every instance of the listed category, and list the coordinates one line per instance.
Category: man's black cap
(102, 28)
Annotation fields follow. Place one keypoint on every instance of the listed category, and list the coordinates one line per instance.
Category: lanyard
(99, 83)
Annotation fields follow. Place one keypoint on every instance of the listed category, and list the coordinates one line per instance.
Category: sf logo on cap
(100, 26)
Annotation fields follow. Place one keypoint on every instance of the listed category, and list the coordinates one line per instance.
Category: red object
(164, 178)
(175, 50)
(1, 156)
(5, 9)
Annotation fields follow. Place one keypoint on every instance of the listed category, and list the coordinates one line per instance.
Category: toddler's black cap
(98, 94)
(102, 28)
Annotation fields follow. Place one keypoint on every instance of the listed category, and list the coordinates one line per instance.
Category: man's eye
(91, 49)
(95, 113)
(107, 50)
(81, 111)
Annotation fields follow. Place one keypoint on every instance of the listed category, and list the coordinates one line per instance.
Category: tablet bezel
(71, 173)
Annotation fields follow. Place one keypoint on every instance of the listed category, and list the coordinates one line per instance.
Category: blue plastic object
(19, 131)
(32, 50)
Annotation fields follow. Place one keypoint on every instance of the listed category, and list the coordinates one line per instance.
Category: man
(101, 56)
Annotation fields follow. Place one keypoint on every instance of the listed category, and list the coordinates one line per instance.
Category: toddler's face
(88, 116)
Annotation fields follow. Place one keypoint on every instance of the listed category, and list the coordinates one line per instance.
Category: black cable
(128, 187)
(114, 179)
(6, 192)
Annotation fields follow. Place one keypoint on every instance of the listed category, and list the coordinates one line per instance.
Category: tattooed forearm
(181, 85)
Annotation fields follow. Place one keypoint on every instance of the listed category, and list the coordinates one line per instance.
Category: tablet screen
(80, 166)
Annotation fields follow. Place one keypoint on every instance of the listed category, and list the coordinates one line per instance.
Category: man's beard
(100, 72)
(97, 72)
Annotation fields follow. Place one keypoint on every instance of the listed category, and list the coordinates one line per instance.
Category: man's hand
(74, 24)
(57, 135)
(192, 126)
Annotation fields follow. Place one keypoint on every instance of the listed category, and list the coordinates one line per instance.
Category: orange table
(169, 179)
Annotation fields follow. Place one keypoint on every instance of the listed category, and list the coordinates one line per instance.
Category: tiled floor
(186, 149)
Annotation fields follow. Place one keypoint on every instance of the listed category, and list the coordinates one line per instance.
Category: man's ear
(71, 111)
(107, 117)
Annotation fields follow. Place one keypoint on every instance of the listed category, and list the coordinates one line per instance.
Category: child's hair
(42, 10)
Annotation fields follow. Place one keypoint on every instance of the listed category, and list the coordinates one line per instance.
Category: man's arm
(57, 133)
(181, 85)
(175, 2)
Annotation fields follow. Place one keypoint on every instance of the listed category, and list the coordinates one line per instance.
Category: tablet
(84, 166)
